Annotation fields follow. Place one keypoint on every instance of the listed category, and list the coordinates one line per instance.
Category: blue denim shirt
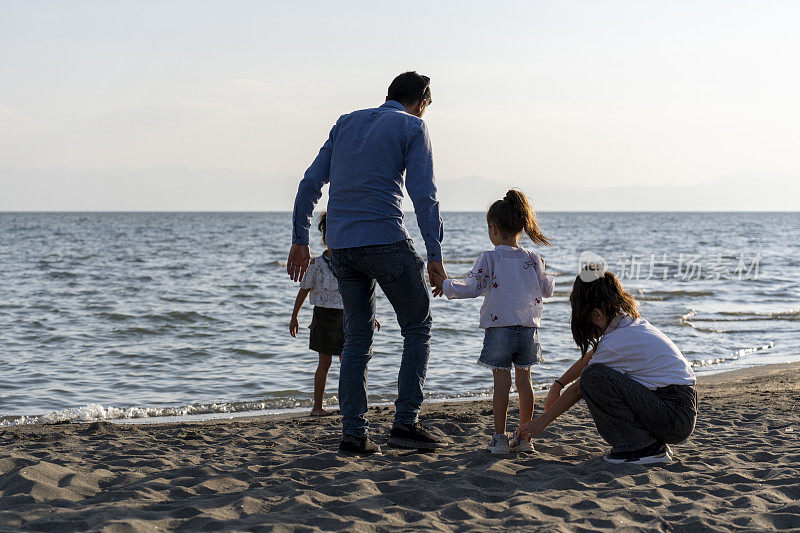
(365, 159)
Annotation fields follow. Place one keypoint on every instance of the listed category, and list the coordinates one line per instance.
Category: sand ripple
(739, 471)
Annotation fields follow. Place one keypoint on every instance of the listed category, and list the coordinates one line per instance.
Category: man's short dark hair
(409, 88)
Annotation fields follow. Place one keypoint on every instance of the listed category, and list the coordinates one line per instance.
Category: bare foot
(319, 412)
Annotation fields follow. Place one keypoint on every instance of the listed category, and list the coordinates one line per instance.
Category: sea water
(145, 316)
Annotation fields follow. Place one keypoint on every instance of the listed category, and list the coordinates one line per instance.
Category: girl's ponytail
(514, 214)
(529, 222)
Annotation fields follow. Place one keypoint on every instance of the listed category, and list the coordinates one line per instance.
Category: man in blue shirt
(368, 157)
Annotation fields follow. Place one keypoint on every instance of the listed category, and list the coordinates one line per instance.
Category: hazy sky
(568, 94)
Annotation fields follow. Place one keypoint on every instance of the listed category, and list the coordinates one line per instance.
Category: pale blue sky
(533, 94)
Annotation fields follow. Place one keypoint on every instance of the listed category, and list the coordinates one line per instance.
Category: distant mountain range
(733, 193)
(214, 189)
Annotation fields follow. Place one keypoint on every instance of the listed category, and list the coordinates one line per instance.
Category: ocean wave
(252, 353)
(738, 354)
(684, 319)
(649, 298)
(116, 317)
(726, 331)
(180, 316)
(138, 331)
(691, 319)
(94, 412)
(168, 317)
(62, 274)
(671, 295)
(793, 314)
(279, 402)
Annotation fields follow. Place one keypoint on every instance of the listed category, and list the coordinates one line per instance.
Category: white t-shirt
(641, 351)
(323, 284)
(513, 283)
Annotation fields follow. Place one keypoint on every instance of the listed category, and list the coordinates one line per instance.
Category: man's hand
(377, 325)
(437, 284)
(294, 326)
(297, 264)
(552, 396)
(436, 276)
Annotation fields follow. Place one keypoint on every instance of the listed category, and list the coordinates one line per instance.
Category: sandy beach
(739, 471)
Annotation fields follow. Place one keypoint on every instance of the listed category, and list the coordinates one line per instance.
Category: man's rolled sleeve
(309, 192)
(421, 187)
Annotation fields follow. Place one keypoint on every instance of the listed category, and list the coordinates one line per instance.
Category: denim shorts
(511, 344)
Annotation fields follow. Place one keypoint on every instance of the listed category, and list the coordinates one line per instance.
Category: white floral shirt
(513, 284)
(324, 287)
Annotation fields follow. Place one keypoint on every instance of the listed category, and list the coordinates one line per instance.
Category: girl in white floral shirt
(327, 331)
(327, 328)
(513, 283)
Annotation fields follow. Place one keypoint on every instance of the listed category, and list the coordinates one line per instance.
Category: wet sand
(740, 470)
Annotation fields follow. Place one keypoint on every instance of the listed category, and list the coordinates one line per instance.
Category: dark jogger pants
(629, 416)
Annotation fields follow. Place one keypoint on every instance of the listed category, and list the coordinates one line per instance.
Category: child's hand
(294, 326)
(377, 325)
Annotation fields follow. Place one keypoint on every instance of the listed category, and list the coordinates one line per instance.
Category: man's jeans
(401, 275)
(629, 416)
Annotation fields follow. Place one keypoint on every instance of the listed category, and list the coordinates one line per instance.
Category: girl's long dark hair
(606, 294)
(323, 225)
(514, 214)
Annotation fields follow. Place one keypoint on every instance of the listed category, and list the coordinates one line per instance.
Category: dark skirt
(327, 331)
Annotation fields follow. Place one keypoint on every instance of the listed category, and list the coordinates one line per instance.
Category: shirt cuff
(447, 288)
(300, 238)
(434, 252)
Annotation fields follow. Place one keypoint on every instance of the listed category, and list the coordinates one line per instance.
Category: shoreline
(737, 471)
(714, 377)
(300, 411)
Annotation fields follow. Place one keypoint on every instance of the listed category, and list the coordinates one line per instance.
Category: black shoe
(616, 457)
(413, 436)
(360, 445)
(658, 452)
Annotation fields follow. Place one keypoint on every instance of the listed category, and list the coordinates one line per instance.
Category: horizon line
(133, 211)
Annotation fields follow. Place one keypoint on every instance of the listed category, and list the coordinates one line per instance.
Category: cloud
(255, 85)
(190, 106)
(11, 114)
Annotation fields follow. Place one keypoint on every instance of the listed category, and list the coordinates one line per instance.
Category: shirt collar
(395, 105)
(619, 321)
(506, 247)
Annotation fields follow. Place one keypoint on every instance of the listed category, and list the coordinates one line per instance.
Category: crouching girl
(639, 388)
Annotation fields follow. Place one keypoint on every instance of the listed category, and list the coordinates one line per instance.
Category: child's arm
(294, 325)
(547, 283)
(476, 283)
